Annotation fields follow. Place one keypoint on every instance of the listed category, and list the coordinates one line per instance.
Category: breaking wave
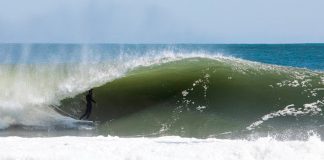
(192, 94)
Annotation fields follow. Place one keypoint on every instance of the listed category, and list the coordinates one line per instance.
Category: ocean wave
(194, 94)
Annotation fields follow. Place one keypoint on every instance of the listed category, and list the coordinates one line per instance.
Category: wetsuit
(89, 106)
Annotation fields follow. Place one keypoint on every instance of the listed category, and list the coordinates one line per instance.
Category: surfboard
(86, 122)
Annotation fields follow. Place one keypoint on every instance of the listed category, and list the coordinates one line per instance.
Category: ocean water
(250, 96)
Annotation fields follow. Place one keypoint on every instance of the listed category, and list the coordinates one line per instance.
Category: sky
(161, 21)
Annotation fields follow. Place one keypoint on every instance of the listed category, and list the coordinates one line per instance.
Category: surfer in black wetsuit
(89, 105)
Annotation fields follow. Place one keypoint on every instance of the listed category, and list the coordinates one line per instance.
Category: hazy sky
(162, 21)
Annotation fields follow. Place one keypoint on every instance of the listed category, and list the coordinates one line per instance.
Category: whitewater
(159, 148)
(162, 101)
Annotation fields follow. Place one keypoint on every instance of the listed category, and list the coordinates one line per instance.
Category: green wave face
(203, 97)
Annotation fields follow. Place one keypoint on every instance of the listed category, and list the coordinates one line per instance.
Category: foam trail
(290, 110)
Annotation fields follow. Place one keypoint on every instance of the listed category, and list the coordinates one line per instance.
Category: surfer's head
(90, 91)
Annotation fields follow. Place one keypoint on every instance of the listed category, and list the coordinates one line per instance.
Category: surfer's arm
(93, 101)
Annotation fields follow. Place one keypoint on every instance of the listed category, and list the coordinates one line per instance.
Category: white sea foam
(291, 110)
(163, 148)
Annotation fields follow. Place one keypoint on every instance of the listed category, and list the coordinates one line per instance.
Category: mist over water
(157, 90)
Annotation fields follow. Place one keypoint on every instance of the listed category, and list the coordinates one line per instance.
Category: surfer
(89, 105)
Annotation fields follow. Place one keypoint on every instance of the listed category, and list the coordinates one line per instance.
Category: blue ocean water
(309, 56)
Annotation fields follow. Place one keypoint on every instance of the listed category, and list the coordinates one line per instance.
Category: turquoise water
(298, 55)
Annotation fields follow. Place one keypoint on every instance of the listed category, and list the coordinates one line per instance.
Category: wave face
(208, 97)
(194, 94)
